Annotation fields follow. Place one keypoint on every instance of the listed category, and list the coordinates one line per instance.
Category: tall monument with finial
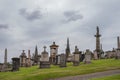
(67, 48)
(5, 57)
(53, 53)
(118, 42)
(5, 60)
(98, 42)
(36, 59)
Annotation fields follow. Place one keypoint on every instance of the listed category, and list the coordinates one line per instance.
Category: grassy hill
(33, 73)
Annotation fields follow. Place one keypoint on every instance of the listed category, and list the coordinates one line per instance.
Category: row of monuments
(44, 60)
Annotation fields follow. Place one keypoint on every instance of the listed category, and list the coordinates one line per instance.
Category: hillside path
(91, 75)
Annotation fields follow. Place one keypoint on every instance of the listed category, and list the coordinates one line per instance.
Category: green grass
(113, 77)
(33, 73)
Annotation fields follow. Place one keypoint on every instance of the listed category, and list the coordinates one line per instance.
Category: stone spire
(118, 42)
(36, 55)
(67, 48)
(29, 56)
(5, 57)
(97, 40)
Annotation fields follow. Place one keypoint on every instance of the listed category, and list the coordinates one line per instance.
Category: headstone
(44, 61)
(62, 60)
(1, 67)
(87, 56)
(57, 59)
(15, 64)
(95, 55)
(76, 58)
(118, 54)
(82, 57)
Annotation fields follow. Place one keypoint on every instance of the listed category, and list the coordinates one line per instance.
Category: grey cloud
(3, 26)
(30, 15)
(73, 15)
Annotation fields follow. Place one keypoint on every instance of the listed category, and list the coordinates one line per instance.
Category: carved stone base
(44, 64)
(76, 63)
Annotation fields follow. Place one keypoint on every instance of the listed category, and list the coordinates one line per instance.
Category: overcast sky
(27, 23)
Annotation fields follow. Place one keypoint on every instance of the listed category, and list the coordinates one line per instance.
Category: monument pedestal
(44, 64)
(76, 63)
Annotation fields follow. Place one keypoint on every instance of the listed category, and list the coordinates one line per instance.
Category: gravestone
(87, 56)
(15, 64)
(44, 61)
(95, 55)
(62, 60)
(118, 54)
(57, 59)
(1, 67)
(76, 57)
(82, 57)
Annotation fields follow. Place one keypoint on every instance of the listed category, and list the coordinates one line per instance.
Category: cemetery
(34, 73)
(44, 66)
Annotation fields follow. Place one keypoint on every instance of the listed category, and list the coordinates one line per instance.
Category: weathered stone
(97, 43)
(1, 67)
(95, 55)
(53, 53)
(44, 61)
(63, 60)
(23, 58)
(57, 59)
(87, 56)
(82, 57)
(16, 64)
(76, 57)
(68, 54)
(118, 54)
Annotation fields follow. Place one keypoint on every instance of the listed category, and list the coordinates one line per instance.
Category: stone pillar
(5, 57)
(118, 42)
(98, 42)
(16, 64)
(4, 68)
(29, 59)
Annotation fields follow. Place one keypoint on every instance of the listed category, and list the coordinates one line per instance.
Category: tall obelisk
(118, 42)
(67, 48)
(98, 42)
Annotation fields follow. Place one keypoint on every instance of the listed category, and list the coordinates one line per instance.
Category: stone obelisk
(118, 42)
(67, 48)
(98, 42)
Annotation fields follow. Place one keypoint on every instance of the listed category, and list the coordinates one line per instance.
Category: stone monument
(44, 61)
(57, 59)
(76, 57)
(117, 55)
(53, 53)
(97, 50)
(15, 64)
(63, 60)
(23, 58)
(87, 56)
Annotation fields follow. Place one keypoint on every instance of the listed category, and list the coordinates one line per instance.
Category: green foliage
(33, 73)
(114, 77)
